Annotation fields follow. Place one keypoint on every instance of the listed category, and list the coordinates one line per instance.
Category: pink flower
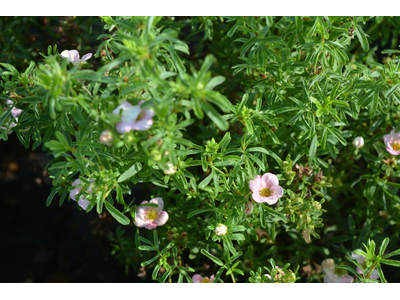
(266, 188)
(73, 56)
(133, 117)
(361, 261)
(392, 142)
(249, 208)
(197, 278)
(150, 217)
(83, 202)
(333, 274)
(15, 112)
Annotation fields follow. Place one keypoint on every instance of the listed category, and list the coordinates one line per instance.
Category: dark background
(49, 244)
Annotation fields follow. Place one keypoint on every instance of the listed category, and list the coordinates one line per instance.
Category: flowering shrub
(241, 131)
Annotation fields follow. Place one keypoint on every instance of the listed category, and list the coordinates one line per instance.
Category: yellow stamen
(151, 215)
(396, 146)
(265, 192)
(206, 280)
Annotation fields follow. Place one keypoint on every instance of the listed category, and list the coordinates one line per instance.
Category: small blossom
(73, 56)
(106, 137)
(197, 278)
(221, 229)
(358, 142)
(392, 142)
(171, 169)
(83, 202)
(333, 274)
(306, 236)
(133, 117)
(361, 261)
(15, 112)
(150, 217)
(266, 188)
(249, 208)
(278, 276)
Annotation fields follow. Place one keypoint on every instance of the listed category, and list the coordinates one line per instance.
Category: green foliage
(233, 98)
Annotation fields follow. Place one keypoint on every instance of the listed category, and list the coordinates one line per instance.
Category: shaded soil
(49, 244)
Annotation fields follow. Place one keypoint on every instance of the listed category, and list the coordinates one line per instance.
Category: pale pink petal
(358, 257)
(374, 275)
(197, 278)
(83, 203)
(139, 222)
(256, 196)
(76, 191)
(346, 279)
(15, 112)
(271, 200)
(278, 191)
(212, 278)
(124, 127)
(159, 201)
(269, 180)
(73, 55)
(123, 106)
(387, 139)
(162, 218)
(255, 184)
(65, 54)
(269, 276)
(86, 57)
(150, 226)
(359, 271)
(391, 151)
(145, 122)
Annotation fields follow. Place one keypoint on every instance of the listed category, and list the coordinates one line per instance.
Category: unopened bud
(358, 142)
(221, 229)
(249, 208)
(171, 169)
(306, 236)
(106, 137)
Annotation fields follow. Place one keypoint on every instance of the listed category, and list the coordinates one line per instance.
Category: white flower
(171, 169)
(73, 56)
(358, 142)
(221, 229)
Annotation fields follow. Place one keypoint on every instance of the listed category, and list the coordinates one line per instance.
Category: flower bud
(358, 142)
(221, 229)
(171, 169)
(249, 208)
(106, 137)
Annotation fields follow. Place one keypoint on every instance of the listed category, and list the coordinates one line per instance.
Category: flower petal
(162, 218)
(122, 127)
(83, 203)
(124, 106)
(145, 122)
(159, 201)
(255, 184)
(269, 180)
(374, 275)
(197, 278)
(387, 139)
(86, 57)
(73, 55)
(391, 151)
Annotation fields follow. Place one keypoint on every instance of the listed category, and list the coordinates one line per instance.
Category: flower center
(266, 192)
(396, 146)
(340, 272)
(206, 280)
(151, 215)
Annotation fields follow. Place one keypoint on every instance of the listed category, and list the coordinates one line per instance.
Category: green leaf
(135, 168)
(390, 262)
(362, 38)
(313, 147)
(396, 252)
(33, 99)
(213, 258)
(381, 275)
(212, 113)
(382, 249)
(199, 211)
(51, 196)
(121, 218)
(276, 214)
